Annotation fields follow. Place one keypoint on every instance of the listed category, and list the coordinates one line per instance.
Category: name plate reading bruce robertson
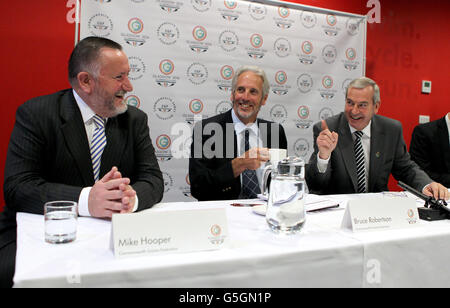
(163, 232)
(380, 213)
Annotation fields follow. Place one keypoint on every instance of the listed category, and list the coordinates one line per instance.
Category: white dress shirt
(254, 140)
(87, 114)
(447, 119)
(322, 164)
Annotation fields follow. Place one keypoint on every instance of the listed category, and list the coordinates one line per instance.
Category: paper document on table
(316, 203)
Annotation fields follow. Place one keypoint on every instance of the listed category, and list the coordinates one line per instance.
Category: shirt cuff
(322, 164)
(83, 202)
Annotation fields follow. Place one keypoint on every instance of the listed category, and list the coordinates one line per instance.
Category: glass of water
(60, 221)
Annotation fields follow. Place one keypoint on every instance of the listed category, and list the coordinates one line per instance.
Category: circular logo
(223, 107)
(353, 26)
(230, 4)
(281, 77)
(256, 40)
(168, 181)
(308, 19)
(228, 40)
(410, 213)
(329, 54)
(331, 20)
(284, 12)
(164, 108)
(327, 82)
(301, 147)
(307, 47)
(100, 25)
(257, 11)
(304, 83)
(278, 113)
(325, 113)
(168, 33)
(133, 100)
(166, 67)
(282, 47)
(163, 142)
(196, 106)
(303, 112)
(201, 5)
(227, 72)
(199, 33)
(135, 25)
(350, 53)
(137, 68)
(197, 73)
(216, 230)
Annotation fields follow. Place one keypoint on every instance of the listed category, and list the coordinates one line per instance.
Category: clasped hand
(251, 160)
(111, 195)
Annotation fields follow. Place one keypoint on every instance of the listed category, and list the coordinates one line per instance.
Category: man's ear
(85, 82)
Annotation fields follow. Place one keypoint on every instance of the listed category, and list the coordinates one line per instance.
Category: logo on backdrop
(350, 62)
(308, 19)
(280, 87)
(186, 190)
(283, 21)
(257, 11)
(327, 91)
(330, 27)
(329, 54)
(197, 73)
(162, 151)
(133, 100)
(278, 113)
(168, 33)
(100, 25)
(196, 107)
(229, 11)
(137, 68)
(303, 121)
(226, 75)
(164, 108)
(166, 79)
(256, 51)
(304, 83)
(325, 113)
(352, 26)
(282, 47)
(228, 41)
(301, 147)
(199, 45)
(306, 55)
(168, 181)
(223, 107)
(170, 6)
(345, 84)
(201, 5)
(135, 37)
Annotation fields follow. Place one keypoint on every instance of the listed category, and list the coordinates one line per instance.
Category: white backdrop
(183, 55)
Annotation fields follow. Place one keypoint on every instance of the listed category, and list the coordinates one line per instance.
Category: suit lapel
(444, 141)
(75, 137)
(346, 148)
(378, 144)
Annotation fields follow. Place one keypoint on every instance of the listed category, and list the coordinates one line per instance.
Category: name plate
(162, 232)
(380, 213)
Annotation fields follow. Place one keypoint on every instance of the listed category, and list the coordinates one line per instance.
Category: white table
(322, 255)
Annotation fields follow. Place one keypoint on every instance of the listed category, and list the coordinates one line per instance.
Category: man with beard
(82, 144)
(228, 150)
(356, 150)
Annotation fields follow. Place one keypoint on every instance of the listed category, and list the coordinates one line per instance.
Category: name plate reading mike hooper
(163, 232)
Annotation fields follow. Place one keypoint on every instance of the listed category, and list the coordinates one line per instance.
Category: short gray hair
(255, 69)
(364, 82)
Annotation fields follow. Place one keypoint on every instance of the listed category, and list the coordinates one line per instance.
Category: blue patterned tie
(98, 145)
(250, 184)
(360, 162)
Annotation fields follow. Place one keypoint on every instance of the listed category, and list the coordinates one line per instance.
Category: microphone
(433, 210)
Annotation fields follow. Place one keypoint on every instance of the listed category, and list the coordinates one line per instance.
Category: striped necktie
(250, 184)
(360, 162)
(98, 145)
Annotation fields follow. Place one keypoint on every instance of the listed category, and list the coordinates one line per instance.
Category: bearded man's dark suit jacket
(388, 155)
(430, 149)
(49, 158)
(212, 178)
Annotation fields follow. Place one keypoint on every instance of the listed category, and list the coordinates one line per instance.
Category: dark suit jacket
(212, 177)
(388, 154)
(49, 157)
(430, 149)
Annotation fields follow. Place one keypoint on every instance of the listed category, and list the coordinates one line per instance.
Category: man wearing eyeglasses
(356, 150)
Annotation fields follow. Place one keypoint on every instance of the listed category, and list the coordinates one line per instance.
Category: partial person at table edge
(356, 150)
(430, 149)
(82, 144)
(229, 150)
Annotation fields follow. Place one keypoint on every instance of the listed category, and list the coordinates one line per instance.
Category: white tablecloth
(321, 255)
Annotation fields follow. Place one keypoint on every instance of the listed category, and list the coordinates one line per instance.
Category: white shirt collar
(86, 111)
(366, 129)
(448, 123)
(239, 126)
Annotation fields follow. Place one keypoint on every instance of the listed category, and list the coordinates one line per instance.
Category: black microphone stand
(433, 209)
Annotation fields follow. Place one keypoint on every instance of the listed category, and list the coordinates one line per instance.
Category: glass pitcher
(286, 209)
